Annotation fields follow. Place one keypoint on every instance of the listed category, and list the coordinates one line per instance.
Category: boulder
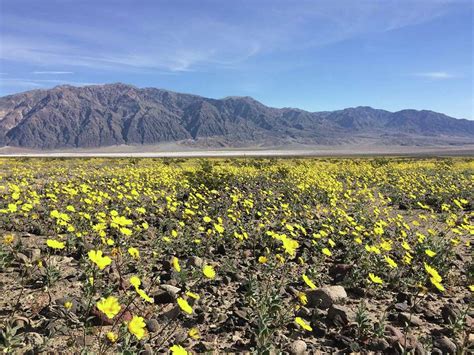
(298, 347)
(325, 297)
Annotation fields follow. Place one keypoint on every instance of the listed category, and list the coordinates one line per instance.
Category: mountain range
(119, 114)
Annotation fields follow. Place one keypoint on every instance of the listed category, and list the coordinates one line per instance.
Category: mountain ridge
(67, 116)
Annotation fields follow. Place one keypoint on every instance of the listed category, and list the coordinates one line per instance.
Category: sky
(315, 55)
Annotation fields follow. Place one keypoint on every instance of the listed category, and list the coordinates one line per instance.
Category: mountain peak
(111, 114)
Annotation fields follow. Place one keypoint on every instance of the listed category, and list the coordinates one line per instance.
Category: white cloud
(53, 72)
(437, 75)
(182, 40)
(41, 82)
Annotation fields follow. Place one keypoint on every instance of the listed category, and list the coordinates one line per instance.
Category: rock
(429, 313)
(165, 276)
(339, 271)
(340, 315)
(163, 297)
(23, 258)
(342, 341)
(166, 265)
(449, 313)
(173, 282)
(172, 313)
(419, 349)
(221, 249)
(409, 342)
(84, 341)
(298, 347)
(445, 345)
(56, 327)
(379, 344)
(172, 290)
(152, 325)
(393, 333)
(21, 322)
(303, 312)
(236, 276)
(240, 317)
(470, 340)
(247, 253)
(358, 291)
(401, 306)
(180, 336)
(147, 350)
(222, 318)
(35, 340)
(397, 338)
(404, 297)
(411, 319)
(34, 254)
(227, 280)
(326, 296)
(197, 261)
(469, 322)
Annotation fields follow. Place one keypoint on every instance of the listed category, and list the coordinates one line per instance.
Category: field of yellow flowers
(236, 255)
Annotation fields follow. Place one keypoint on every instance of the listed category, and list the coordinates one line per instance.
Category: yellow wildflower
(209, 272)
(308, 282)
(194, 333)
(137, 327)
(326, 252)
(8, 239)
(110, 306)
(219, 228)
(144, 295)
(134, 253)
(178, 350)
(97, 258)
(391, 263)
(303, 324)
(112, 337)
(430, 253)
(290, 245)
(303, 298)
(406, 246)
(375, 279)
(176, 265)
(437, 284)
(12, 207)
(192, 295)
(135, 281)
(433, 273)
(184, 305)
(55, 244)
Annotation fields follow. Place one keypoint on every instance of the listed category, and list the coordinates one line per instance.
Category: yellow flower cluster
(129, 222)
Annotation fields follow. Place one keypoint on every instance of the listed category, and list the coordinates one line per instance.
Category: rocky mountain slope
(114, 114)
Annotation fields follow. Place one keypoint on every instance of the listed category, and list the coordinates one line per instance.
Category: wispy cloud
(180, 39)
(52, 72)
(436, 75)
(42, 82)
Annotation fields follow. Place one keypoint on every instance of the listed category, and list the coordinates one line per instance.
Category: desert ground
(170, 150)
(258, 254)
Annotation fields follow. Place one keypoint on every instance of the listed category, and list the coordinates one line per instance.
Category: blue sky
(311, 54)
